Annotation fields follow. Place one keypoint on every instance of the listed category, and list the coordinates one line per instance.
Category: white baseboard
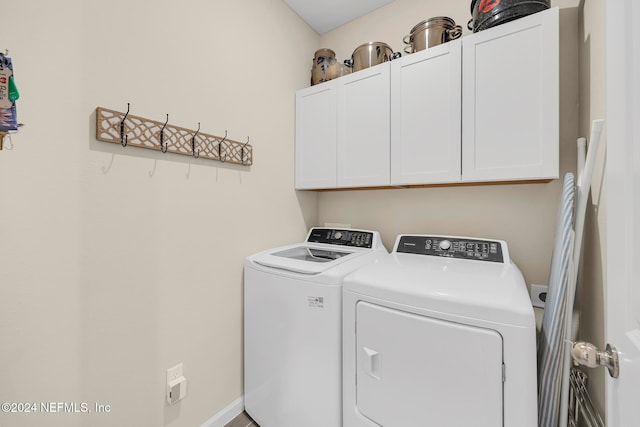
(226, 415)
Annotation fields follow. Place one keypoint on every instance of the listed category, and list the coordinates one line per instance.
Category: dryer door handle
(373, 366)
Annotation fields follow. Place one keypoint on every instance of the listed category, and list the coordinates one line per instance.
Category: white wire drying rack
(581, 409)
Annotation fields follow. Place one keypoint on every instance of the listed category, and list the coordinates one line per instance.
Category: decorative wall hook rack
(129, 130)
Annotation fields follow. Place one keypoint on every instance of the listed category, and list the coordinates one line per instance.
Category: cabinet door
(316, 116)
(425, 116)
(363, 128)
(511, 100)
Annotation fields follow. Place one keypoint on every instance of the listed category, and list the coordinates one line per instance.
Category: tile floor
(242, 420)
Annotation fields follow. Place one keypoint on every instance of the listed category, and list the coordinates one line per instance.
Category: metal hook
(164, 147)
(220, 147)
(242, 152)
(10, 141)
(124, 139)
(193, 143)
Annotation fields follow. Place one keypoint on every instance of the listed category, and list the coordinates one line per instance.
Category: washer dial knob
(337, 235)
(445, 245)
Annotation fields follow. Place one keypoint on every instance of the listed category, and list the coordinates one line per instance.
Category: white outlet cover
(174, 373)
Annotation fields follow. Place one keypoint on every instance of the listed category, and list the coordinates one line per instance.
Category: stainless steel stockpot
(431, 32)
(369, 54)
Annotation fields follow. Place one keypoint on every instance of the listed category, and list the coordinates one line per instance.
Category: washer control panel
(332, 236)
(451, 247)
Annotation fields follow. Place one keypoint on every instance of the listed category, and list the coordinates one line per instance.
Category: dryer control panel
(359, 239)
(451, 247)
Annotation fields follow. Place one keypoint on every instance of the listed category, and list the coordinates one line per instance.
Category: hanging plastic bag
(8, 96)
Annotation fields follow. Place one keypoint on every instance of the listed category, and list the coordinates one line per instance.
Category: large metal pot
(369, 54)
(432, 32)
(489, 13)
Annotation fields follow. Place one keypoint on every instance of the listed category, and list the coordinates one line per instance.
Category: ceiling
(323, 16)
(326, 15)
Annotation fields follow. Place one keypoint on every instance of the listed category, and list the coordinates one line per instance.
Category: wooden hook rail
(161, 136)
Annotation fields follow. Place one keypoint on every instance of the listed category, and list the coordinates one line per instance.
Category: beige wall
(117, 263)
(523, 215)
(592, 279)
(109, 273)
(391, 23)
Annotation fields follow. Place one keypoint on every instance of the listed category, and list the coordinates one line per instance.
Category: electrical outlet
(539, 295)
(176, 384)
(174, 373)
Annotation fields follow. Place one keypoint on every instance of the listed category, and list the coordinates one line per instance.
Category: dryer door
(414, 370)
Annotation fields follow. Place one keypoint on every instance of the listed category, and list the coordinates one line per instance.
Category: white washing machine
(293, 327)
(441, 333)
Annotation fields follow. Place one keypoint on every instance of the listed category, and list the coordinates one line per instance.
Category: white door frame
(623, 207)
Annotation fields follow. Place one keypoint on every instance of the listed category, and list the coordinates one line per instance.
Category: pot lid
(431, 22)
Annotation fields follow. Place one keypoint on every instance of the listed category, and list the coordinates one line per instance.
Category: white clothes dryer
(293, 326)
(441, 333)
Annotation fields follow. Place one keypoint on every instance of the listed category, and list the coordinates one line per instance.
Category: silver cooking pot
(432, 32)
(369, 54)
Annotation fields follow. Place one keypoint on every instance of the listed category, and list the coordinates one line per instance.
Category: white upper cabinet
(510, 93)
(316, 133)
(425, 116)
(483, 108)
(343, 132)
(364, 128)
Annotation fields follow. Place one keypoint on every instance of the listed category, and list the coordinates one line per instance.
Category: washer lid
(324, 249)
(306, 253)
(305, 258)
